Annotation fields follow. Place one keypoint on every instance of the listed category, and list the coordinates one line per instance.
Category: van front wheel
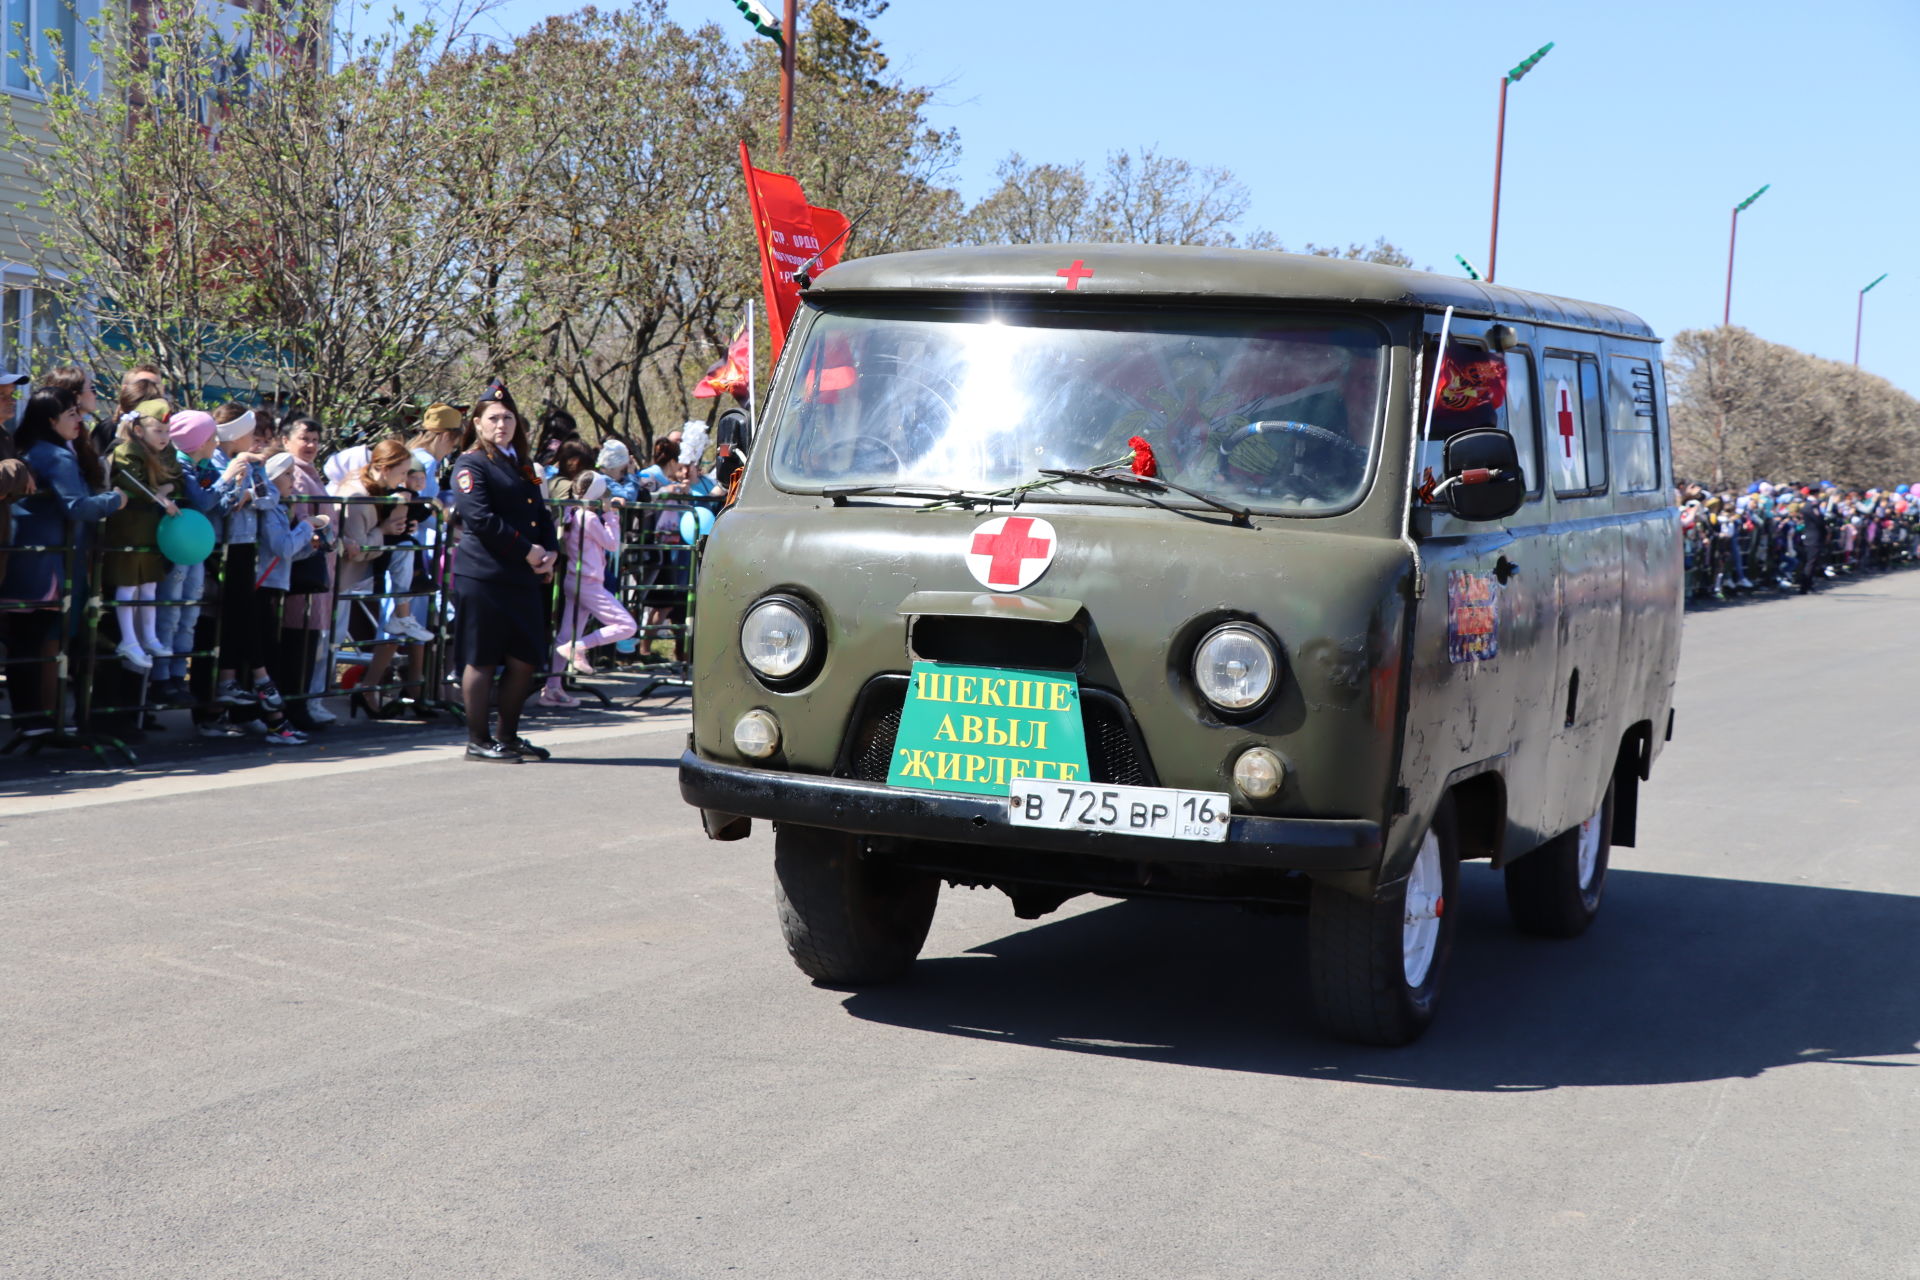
(1555, 890)
(848, 920)
(1377, 964)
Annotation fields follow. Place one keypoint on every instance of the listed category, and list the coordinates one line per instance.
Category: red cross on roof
(1012, 545)
(1076, 273)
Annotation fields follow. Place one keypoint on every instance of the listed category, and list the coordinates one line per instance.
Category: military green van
(1191, 573)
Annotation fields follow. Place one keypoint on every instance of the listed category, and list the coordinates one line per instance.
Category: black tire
(1546, 895)
(1357, 954)
(848, 920)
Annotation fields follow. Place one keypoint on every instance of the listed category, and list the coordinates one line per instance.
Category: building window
(33, 327)
(55, 37)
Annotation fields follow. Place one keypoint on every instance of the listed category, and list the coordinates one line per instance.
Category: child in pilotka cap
(243, 494)
(589, 533)
(141, 467)
(192, 436)
(278, 542)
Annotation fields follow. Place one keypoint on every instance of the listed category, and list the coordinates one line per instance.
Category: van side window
(1521, 422)
(1576, 431)
(1631, 423)
(1486, 390)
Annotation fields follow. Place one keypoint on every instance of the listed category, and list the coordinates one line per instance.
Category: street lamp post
(1860, 314)
(1500, 152)
(1726, 317)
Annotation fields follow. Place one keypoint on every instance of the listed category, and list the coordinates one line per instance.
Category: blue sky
(1627, 146)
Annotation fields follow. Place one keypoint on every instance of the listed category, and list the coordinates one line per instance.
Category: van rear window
(1276, 412)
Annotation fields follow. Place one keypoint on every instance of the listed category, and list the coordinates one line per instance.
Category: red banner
(789, 232)
(729, 376)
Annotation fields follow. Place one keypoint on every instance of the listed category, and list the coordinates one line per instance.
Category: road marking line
(282, 770)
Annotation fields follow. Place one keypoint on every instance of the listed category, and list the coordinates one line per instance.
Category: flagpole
(752, 408)
(790, 28)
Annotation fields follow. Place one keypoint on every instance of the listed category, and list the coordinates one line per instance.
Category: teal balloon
(695, 524)
(186, 538)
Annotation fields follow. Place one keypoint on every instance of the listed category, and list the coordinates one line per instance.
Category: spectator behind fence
(557, 427)
(72, 378)
(16, 478)
(570, 459)
(281, 543)
(60, 512)
(244, 618)
(589, 534)
(666, 475)
(504, 562)
(298, 659)
(142, 468)
(183, 586)
(364, 529)
(616, 464)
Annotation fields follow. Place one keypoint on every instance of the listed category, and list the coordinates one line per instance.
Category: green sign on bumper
(976, 729)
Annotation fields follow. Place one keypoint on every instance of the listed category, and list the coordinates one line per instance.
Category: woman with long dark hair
(61, 511)
(501, 570)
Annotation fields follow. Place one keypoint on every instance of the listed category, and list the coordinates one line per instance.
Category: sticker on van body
(1473, 617)
(1010, 552)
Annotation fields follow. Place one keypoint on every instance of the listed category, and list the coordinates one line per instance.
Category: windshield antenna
(801, 277)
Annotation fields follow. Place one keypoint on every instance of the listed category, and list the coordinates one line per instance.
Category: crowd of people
(1793, 537)
(224, 561)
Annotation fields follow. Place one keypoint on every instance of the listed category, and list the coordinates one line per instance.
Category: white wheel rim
(1420, 933)
(1589, 851)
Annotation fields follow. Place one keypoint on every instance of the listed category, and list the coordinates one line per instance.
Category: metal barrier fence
(67, 687)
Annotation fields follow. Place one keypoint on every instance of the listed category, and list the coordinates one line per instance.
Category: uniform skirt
(494, 621)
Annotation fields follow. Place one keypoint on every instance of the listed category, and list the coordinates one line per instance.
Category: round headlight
(756, 734)
(776, 638)
(1235, 667)
(1258, 773)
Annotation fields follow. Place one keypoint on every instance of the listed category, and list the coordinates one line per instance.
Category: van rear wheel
(848, 920)
(1555, 890)
(1377, 964)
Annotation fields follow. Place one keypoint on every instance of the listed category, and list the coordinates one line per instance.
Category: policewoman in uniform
(501, 570)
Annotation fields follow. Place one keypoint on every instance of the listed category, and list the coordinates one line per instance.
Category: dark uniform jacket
(502, 518)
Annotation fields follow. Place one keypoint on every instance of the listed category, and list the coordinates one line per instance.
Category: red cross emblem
(1011, 552)
(1565, 418)
(1076, 273)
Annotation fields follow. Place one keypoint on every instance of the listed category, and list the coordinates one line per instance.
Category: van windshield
(1272, 411)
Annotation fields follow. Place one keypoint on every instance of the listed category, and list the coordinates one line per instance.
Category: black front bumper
(876, 809)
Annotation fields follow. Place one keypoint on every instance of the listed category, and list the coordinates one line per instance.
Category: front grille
(1114, 751)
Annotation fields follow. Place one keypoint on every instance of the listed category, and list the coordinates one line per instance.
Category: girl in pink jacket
(588, 535)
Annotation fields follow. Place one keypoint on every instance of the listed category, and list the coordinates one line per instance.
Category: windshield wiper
(1152, 484)
(959, 497)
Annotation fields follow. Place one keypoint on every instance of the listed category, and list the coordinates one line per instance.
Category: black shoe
(526, 750)
(492, 752)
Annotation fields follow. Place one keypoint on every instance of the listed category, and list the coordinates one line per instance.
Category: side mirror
(1483, 480)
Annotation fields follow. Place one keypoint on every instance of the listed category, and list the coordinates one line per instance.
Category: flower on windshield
(1143, 462)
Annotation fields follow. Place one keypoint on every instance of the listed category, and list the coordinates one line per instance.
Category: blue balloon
(187, 537)
(695, 524)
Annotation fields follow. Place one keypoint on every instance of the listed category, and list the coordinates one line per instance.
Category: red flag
(729, 376)
(788, 232)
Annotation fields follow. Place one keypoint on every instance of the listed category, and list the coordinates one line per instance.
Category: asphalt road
(442, 1020)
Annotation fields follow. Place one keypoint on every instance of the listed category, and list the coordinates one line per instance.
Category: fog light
(756, 734)
(1258, 773)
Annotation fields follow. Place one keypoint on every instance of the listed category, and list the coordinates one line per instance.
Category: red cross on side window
(1009, 548)
(1565, 417)
(1076, 273)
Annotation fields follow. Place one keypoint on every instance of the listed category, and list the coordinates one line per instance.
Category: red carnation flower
(1143, 461)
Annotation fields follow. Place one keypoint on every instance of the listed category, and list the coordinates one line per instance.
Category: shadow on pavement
(1682, 978)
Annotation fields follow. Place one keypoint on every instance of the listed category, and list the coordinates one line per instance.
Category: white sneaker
(318, 713)
(575, 657)
(133, 657)
(557, 698)
(404, 626)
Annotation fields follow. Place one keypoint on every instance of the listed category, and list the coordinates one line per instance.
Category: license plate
(1136, 811)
